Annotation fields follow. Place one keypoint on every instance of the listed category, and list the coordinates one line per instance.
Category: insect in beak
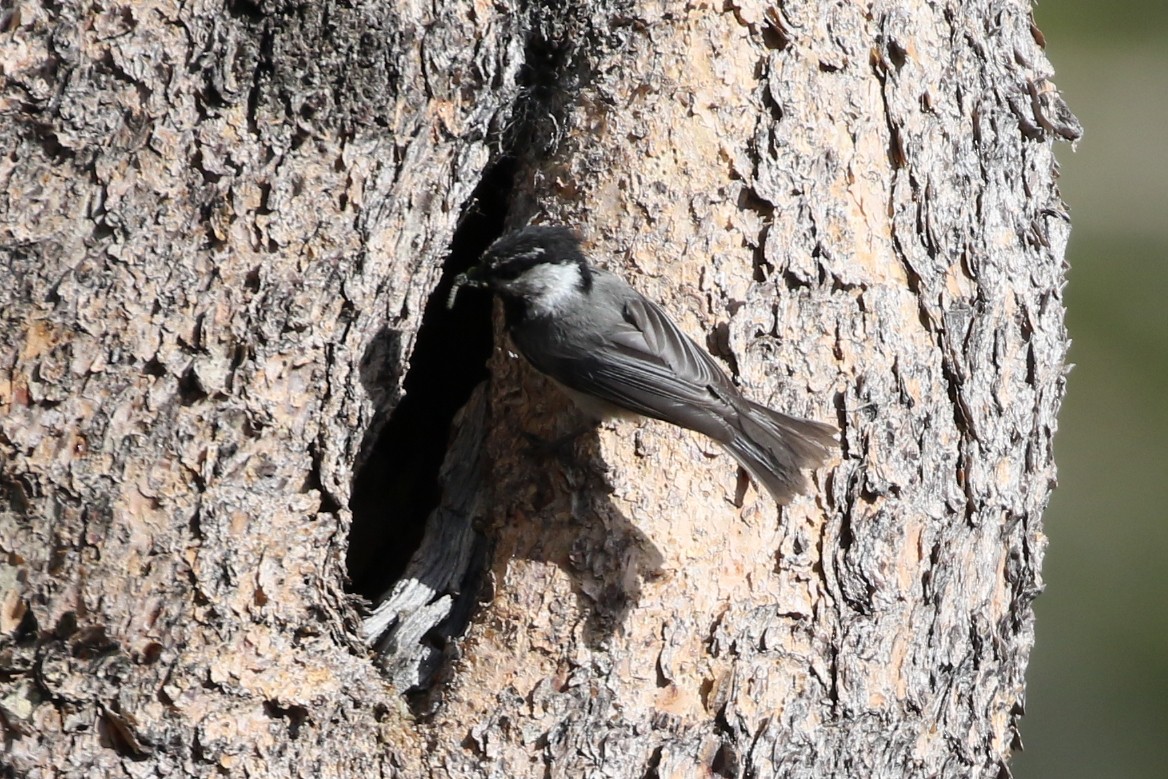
(460, 281)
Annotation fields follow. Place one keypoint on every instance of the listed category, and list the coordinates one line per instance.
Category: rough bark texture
(222, 226)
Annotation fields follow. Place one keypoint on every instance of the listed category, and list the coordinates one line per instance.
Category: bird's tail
(775, 448)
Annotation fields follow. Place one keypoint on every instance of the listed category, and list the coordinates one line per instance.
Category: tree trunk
(234, 404)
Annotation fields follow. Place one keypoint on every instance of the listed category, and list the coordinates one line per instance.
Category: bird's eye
(506, 271)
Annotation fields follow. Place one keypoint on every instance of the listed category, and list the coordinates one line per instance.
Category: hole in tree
(396, 487)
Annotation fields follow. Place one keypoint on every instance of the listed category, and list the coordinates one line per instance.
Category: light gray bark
(221, 228)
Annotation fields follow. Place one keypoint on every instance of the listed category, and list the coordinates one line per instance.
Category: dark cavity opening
(396, 488)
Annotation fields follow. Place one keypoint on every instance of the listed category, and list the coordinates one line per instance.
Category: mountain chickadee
(615, 351)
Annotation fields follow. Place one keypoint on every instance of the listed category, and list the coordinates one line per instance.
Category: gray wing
(652, 368)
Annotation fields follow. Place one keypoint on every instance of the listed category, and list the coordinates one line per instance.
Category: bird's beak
(468, 279)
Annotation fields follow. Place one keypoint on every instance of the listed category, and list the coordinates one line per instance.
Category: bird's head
(540, 267)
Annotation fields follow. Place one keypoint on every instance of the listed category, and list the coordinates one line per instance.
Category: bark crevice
(412, 548)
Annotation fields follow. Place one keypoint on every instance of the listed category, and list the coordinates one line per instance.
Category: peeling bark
(225, 231)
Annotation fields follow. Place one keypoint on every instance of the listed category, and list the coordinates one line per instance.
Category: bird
(616, 353)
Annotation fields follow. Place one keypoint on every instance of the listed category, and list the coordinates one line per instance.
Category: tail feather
(775, 448)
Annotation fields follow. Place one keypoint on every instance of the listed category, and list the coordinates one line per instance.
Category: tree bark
(233, 402)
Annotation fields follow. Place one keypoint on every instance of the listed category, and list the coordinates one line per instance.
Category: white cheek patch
(547, 287)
